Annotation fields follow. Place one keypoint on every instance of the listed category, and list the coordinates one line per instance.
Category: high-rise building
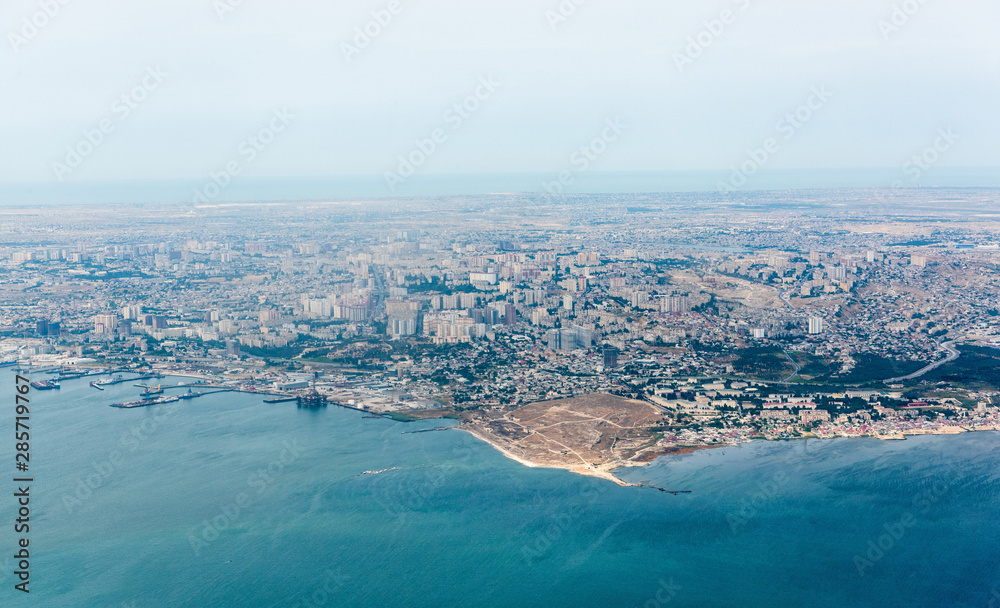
(105, 324)
(610, 357)
(539, 316)
(402, 323)
(815, 325)
(675, 304)
(509, 314)
(640, 299)
(553, 339)
(132, 312)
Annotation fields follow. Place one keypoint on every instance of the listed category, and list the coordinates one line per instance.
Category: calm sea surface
(226, 501)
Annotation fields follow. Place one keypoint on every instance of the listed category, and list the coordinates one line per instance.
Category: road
(798, 367)
(952, 355)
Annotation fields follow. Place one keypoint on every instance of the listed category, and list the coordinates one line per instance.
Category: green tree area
(290, 351)
(437, 285)
(762, 362)
(977, 367)
(868, 368)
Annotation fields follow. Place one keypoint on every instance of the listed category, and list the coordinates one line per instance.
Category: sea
(226, 501)
(530, 186)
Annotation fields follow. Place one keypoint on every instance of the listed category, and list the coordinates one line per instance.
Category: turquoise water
(457, 524)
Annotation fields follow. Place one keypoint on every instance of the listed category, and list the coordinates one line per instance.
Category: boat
(190, 395)
(114, 380)
(378, 471)
(44, 385)
(145, 402)
(97, 386)
(281, 399)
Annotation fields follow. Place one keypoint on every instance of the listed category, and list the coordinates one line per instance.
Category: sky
(202, 90)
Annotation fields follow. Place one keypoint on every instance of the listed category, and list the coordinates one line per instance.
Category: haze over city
(563, 303)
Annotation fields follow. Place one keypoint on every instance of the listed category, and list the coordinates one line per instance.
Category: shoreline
(607, 475)
(579, 470)
(600, 473)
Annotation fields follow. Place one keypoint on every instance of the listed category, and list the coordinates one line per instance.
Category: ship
(97, 386)
(281, 399)
(145, 402)
(115, 380)
(44, 385)
(311, 399)
(190, 395)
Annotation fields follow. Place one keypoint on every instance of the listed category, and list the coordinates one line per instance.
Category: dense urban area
(700, 319)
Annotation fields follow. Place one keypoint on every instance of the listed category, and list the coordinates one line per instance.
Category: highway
(952, 355)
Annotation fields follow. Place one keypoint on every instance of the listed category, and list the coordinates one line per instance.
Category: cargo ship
(145, 402)
(97, 386)
(44, 385)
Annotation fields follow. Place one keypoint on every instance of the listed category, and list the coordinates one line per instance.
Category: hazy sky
(205, 75)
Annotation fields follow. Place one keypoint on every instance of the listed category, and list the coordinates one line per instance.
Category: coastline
(602, 471)
(579, 470)
(644, 459)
